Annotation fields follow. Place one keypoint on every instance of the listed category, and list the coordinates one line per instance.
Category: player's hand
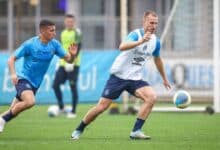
(14, 79)
(147, 37)
(167, 85)
(73, 48)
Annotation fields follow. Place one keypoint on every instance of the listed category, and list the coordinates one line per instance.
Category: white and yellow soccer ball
(182, 99)
(53, 111)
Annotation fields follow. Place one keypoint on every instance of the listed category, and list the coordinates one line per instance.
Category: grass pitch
(34, 130)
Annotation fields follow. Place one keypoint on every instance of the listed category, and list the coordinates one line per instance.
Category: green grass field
(34, 130)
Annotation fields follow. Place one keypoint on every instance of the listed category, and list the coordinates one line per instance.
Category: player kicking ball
(37, 53)
(126, 74)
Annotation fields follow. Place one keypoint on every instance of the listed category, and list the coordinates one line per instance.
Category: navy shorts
(23, 85)
(115, 86)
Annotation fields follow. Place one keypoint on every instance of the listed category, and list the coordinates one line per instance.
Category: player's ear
(42, 29)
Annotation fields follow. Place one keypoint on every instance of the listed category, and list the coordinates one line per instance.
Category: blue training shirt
(37, 57)
(133, 36)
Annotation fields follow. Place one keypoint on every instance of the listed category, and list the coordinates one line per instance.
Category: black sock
(81, 126)
(7, 117)
(138, 124)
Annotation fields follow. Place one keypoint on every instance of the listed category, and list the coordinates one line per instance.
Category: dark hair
(45, 23)
(69, 16)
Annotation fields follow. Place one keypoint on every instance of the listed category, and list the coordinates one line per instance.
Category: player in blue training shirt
(37, 53)
(127, 74)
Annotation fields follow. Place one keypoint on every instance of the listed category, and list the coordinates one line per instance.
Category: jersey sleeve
(133, 36)
(156, 52)
(59, 50)
(22, 50)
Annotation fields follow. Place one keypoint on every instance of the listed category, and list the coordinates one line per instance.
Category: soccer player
(67, 71)
(37, 52)
(126, 74)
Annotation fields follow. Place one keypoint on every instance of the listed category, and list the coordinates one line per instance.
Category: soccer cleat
(76, 134)
(71, 115)
(2, 124)
(62, 111)
(139, 135)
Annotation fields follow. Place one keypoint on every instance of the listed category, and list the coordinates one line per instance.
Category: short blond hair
(150, 12)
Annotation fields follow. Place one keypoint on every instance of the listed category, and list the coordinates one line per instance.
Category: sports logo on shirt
(27, 86)
(138, 61)
(106, 92)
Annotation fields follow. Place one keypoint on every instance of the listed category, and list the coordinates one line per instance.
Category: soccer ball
(53, 111)
(182, 99)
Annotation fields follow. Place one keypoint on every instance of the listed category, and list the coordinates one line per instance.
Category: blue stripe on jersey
(37, 57)
(132, 36)
(142, 32)
(156, 52)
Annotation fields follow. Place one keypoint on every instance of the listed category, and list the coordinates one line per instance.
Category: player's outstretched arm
(160, 67)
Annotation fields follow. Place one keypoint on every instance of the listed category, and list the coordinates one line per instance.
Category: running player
(126, 74)
(37, 52)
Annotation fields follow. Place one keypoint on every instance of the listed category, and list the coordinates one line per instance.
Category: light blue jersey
(37, 57)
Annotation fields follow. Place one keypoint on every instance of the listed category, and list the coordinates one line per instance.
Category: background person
(68, 71)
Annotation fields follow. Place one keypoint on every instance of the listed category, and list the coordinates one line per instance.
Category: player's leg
(91, 115)
(72, 77)
(74, 102)
(112, 90)
(60, 78)
(103, 104)
(148, 96)
(26, 102)
(2, 121)
(24, 99)
(15, 100)
(142, 90)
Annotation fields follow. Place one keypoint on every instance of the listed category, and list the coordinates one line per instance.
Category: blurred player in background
(37, 52)
(68, 71)
(126, 74)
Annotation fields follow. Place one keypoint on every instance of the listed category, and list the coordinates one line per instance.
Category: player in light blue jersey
(37, 53)
(126, 74)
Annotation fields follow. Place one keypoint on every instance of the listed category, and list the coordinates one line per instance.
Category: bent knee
(30, 103)
(151, 98)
